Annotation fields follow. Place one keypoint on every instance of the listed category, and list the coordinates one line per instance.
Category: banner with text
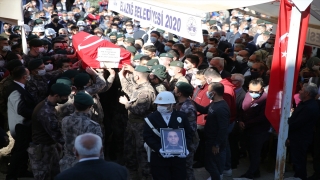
(181, 24)
(313, 37)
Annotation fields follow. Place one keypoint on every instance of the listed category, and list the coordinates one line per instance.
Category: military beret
(205, 32)
(81, 79)
(129, 39)
(13, 64)
(138, 56)
(71, 73)
(142, 69)
(166, 55)
(160, 31)
(38, 21)
(176, 64)
(132, 49)
(34, 64)
(83, 98)
(120, 36)
(64, 80)
(159, 71)
(211, 22)
(61, 51)
(153, 62)
(155, 32)
(113, 34)
(184, 87)
(267, 22)
(259, 21)
(61, 89)
(16, 28)
(35, 43)
(31, 37)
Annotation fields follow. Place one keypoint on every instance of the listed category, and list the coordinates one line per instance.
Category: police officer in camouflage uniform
(38, 84)
(141, 96)
(76, 124)
(156, 77)
(182, 92)
(175, 71)
(46, 135)
(94, 85)
(4, 84)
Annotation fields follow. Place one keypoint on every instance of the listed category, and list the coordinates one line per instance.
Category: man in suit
(20, 107)
(88, 148)
(165, 165)
(222, 45)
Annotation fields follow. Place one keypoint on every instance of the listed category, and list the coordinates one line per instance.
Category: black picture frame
(171, 144)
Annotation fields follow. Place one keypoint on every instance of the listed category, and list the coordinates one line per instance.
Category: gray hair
(93, 150)
(241, 46)
(221, 61)
(64, 30)
(239, 77)
(312, 89)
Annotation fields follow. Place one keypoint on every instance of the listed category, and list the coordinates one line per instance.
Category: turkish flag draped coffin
(277, 72)
(99, 53)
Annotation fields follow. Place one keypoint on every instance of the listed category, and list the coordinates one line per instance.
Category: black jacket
(26, 104)
(225, 74)
(94, 170)
(160, 47)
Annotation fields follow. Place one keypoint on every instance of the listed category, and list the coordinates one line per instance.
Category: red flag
(277, 72)
(93, 51)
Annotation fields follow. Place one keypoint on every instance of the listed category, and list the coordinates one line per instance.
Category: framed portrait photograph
(173, 141)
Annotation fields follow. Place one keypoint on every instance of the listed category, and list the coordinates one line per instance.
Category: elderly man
(88, 148)
(218, 63)
(301, 123)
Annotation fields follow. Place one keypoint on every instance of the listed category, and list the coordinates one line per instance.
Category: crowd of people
(66, 118)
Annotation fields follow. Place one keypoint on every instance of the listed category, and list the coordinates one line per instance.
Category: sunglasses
(253, 69)
(256, 92)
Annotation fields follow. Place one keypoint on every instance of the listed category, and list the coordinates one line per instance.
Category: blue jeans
(227, 164)
(214, 164)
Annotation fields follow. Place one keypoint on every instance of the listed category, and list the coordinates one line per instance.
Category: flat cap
(142, 69)
(153, 62)
(81, 79)
(61, 89)
(64, 80)
(166, 55)
(176, 64)
(34, 64)
(83, 98)
(184, 87)
(13, 64)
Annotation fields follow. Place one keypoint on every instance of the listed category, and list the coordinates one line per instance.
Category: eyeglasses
(256, 92)
(253, 69)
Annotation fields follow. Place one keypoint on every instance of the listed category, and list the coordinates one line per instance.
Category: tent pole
(291, 55)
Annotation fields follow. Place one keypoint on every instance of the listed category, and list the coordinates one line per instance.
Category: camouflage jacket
(37, 86)
(65, 109)
(159, 88)
(191, 111)
(45, 125)
(174, 81)
(4, 84)
(141, 97)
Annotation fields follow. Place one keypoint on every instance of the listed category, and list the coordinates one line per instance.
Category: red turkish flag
(93, 51)
(277, 72)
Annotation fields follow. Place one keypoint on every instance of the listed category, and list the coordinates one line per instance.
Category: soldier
(164, 165)
(93, 86)
(4, 84)
(141, 95)
(156, 78)
(46, 134)
(38, 84)
(35, 51)
(152, 62)
(76, 124)
(182, 92)
(175, 71)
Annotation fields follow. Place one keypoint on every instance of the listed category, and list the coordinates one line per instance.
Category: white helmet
(38, 28)
(165, 97)
(81, 23)
(50, 32)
